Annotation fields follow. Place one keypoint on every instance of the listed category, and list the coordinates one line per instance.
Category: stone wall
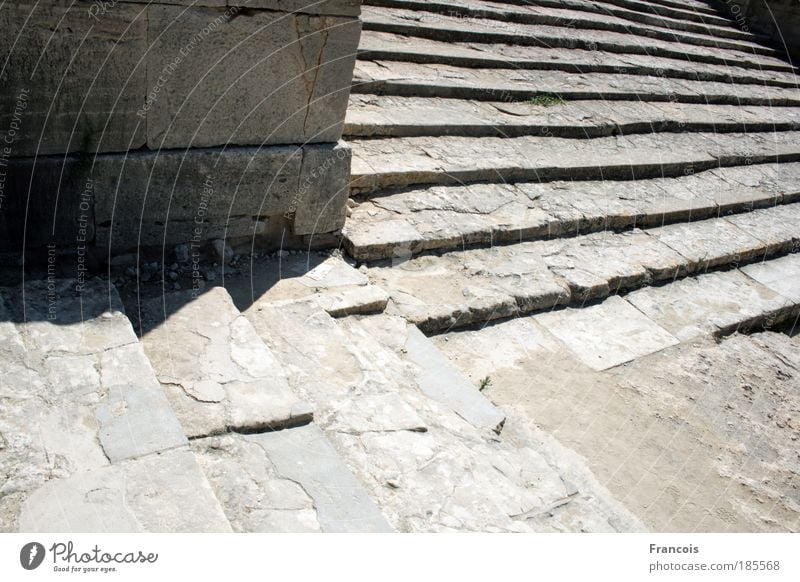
(131, 123)
(777, 19)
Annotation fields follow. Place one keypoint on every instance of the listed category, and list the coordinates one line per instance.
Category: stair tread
(668, 29)
(449, 217)
(218, 375)
(442, 27)
(90, 414)
(287, 481)
(462, 288)
(429, 80)
(391, 116)
(387, 46)
(401, 162)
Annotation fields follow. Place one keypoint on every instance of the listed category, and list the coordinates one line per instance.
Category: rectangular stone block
(72, 82)
(320, 202)
(327, 7)
(224, 76)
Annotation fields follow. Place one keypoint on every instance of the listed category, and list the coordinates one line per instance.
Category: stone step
(390, 116)
(216, 372)
(287, 481)
(472, 287)
(399, 225)
(384, 46)
(695, 13)
(719, 37)
(452, 29)
(430, 80)
(402, 162)
(421, 438)
(89, 433)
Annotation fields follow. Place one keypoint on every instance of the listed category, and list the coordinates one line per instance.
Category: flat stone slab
(606, 335)
(78, 391)
(331, 282)
(401, 162)
(714, 36)
(439, 380)
(782, 275)
(391, 116)
(450, 81)
(443, 27)
(449, 217)
(216, 371)
(714, 303)
(385, 46)
(305, 456)
(164, 493)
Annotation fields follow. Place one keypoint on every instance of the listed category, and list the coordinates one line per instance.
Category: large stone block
(71, 83)
(154, 198)
(226, 76)
(326, 7)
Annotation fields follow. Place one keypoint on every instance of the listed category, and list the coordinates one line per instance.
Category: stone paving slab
(714, 303)
(461, 288)
(401, 162)
(447, 28)
(218, 375)
(391, 116)
(79, 391)
(286, 482)
(474, 10)
(445, 80)
(606, 335)
(384, 46)
(329, 281)
(450, 217)
(161, 493)
(782, 275)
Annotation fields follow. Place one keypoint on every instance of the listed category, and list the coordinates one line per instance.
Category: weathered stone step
(287, 481)
(451, 29)
(392, 47)
(399, 225)
(402, 162)
(218, 375)
(89, 433)
(712, 36)
(389, 116)
(416, 433)
(696, 14)
(471, 287)
(428, 80)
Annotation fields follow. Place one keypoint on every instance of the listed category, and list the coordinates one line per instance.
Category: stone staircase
(556, 205)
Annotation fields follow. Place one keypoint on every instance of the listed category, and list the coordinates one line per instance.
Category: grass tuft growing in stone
(547, 100)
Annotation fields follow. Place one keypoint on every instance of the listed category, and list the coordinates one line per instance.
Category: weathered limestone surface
(448, 217)
(158, 493)
(216, 372)
(78, 391)
(718, 303)
(472, 286)
(164, 75)
(698, 436)
(442, 27)
(170, 197)
(395, 412)
(399, 162)
(384, 46)
(446, 80)
(303, 61)
(390, 116)
(77, 99)
(325, 7)
(289, 481)
(494, 13)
